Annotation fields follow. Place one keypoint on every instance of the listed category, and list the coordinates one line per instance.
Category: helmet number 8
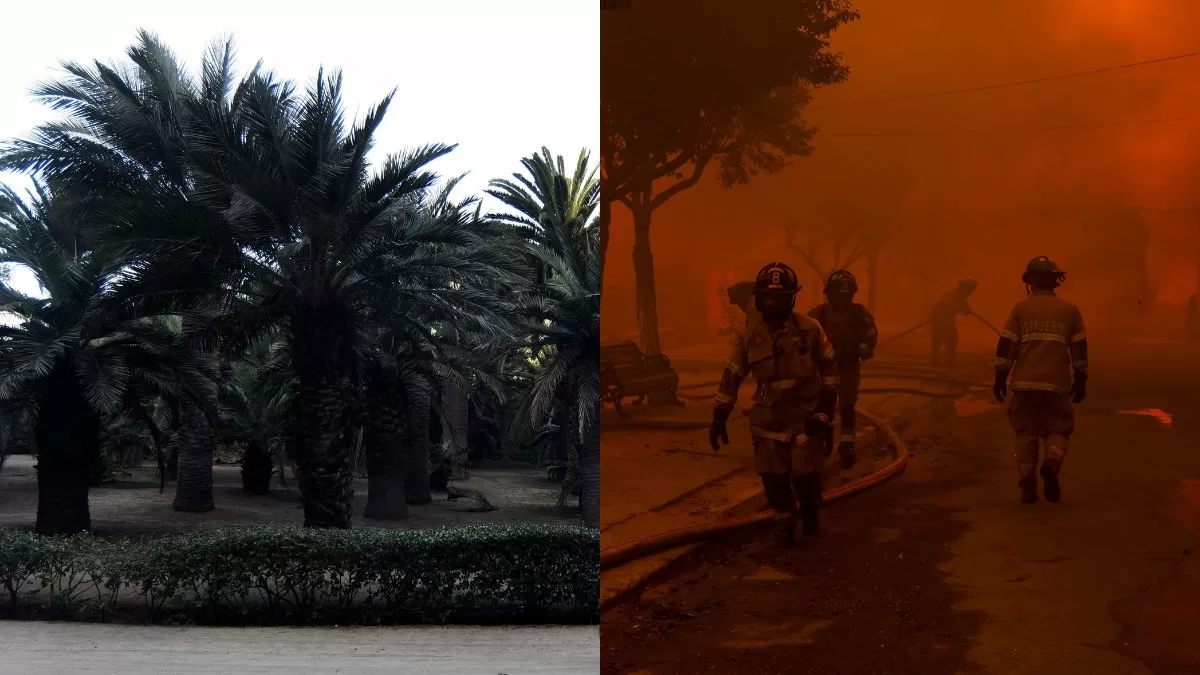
(775, 278)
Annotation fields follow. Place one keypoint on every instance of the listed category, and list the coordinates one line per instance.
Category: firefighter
(851, 329)
(794, 402)
(1043, 347)
(943, 319)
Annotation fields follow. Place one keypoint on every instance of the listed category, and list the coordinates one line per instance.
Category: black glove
(818, 426)
(718, 430)
(1079, 388)
(1000, 386)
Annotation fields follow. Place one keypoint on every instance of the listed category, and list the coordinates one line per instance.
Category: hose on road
(620, 555)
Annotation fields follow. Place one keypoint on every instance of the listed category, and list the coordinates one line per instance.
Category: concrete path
(658, 480)
(942, 571)
(36, 648)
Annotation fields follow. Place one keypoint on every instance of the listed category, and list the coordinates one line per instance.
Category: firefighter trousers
(850, 379)
(1039, 417)
(788, 463)
(945, 339)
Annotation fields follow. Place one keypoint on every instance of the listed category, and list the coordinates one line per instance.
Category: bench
(625, 371)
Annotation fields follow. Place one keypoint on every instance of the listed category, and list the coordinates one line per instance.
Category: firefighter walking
(791, 418)
(851, 329)
(1043, 348)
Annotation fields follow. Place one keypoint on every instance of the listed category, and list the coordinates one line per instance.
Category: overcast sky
(501, 78)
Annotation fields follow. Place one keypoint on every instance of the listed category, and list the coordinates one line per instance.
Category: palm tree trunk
(68, 434)
(383, 437)
(196, 444)
(257, 469)
(457, 419)
(589, 473)
(322, 453)
(419, 393)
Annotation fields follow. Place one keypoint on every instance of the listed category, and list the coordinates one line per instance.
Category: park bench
(625, 371)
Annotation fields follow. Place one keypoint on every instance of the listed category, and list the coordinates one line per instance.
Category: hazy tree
(686, 84)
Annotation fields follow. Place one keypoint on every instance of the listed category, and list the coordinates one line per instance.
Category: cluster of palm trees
(218, 260)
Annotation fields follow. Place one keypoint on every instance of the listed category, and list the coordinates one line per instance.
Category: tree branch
(808, 258)
(697, 171)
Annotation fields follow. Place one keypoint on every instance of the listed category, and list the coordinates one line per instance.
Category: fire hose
(619, 555)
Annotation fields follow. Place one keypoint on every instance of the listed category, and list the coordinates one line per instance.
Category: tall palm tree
(552, 212)
(122, 150)
(79, 354)
(333, 251)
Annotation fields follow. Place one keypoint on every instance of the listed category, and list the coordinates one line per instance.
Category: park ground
(942, 571)
(134, 506)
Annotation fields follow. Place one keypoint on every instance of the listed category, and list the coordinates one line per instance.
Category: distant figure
(1043, 347)
(1192, 320)
(944, 320)
(851, 329)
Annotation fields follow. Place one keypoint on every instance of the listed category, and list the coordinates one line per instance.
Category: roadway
(942, 571)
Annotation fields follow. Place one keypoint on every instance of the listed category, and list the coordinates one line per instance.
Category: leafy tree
(689, 84)
(553, 209)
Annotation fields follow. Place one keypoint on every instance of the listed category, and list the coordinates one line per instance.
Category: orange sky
(967, 203)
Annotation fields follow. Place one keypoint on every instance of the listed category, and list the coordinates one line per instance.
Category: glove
(846, 455)
(1079, 388)
(864, 352)
(719, 431)
(1000, 386)
(818, 426)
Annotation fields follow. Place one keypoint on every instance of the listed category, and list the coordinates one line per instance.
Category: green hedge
(287, 575)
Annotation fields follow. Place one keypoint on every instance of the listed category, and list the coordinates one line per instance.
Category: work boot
(785, 533)
(808, 489)
(810, 520)
(1028, 490)
(846, 454)
(1051, 488)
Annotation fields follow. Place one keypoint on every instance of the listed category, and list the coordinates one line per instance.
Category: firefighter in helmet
(851, 329)
(943, 320)
(791, 418)
(1043, 349)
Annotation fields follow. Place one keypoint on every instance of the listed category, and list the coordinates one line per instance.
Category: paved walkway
(656, 481)
(37, 648)
(942, 571)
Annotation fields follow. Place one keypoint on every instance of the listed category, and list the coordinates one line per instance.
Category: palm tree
(122, 151)
(333, 252)
(265, 200)
(553, 209)
(79, 354)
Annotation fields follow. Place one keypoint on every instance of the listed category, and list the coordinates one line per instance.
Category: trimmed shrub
(274, 575)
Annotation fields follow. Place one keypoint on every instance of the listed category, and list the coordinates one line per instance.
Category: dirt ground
(134, 505)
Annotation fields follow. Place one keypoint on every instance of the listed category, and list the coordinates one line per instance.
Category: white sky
(500, 78)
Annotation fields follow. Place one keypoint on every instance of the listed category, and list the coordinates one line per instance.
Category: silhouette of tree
(688, 84)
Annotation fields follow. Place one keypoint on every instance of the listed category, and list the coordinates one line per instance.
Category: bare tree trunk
(605, 223)
(872, 279)
(643, 267)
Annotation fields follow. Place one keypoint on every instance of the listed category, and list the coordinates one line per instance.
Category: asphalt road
(37, 648)
(942, 571)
